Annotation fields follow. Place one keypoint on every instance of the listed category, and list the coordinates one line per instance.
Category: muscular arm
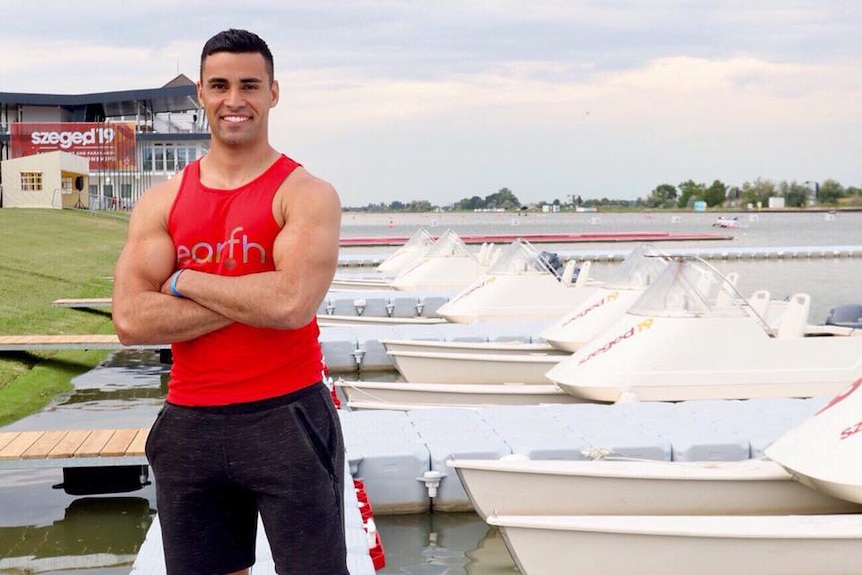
(142, 314)
(305, 254)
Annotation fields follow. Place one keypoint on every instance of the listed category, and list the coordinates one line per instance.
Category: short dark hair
(238, 42)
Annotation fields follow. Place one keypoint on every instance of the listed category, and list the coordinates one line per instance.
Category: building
(130, 139)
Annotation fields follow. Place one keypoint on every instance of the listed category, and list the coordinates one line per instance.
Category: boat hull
(539, 296)
(577, 327)
(654, 359)
(407, 396)
(682, 545)
(484, 347)
(477, 368)
(824, 451)
(534, 487)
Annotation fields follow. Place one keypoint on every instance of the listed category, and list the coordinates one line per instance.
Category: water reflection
(45, 530)
(126, 390)
(94, 532)
(443, 544)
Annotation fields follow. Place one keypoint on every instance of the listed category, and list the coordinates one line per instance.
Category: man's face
(237, 94)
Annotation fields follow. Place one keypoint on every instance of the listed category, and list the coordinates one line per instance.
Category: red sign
(108, 146)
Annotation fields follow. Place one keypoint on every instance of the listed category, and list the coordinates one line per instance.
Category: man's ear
(275, 93)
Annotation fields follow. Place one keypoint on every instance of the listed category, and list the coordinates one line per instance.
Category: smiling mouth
(235, 119)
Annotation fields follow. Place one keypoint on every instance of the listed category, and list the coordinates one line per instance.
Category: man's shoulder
(302, 191)
(302, 181)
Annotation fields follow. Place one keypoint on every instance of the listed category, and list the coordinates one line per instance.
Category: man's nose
(235, 97)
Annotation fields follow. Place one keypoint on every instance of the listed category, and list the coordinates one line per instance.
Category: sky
(442, 100)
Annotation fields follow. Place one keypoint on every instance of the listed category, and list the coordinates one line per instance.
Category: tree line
(664, 196)
(718, 194)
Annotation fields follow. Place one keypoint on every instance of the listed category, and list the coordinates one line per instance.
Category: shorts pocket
(150, 444)
(322, 446)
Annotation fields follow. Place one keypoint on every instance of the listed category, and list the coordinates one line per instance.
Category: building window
(148, 159)
(170, 161)
(31, 181)
(159, 150)
(168, 158)
(181, 158)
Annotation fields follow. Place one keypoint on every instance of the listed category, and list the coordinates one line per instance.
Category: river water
(45, 530)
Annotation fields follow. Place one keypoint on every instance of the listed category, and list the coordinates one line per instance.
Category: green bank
(47, 255)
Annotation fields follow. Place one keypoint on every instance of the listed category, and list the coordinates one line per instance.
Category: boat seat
(569, 272)
(795, 317)
(759, 302)
(583, 273)
(726, 292)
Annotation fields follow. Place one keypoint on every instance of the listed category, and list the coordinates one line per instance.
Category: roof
(178, 95)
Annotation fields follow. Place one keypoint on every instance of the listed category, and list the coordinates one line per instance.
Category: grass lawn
(46, 255)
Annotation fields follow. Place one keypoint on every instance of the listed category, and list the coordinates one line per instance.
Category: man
(229, 261)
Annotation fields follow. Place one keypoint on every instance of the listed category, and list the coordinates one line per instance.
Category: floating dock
(401, 455)
(31, 342)
(536, 238)
(707, 253)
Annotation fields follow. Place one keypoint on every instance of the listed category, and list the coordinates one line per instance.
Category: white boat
(479, 368)
(824, 452)
(343, 283)
(683, 544)
(501, 347)
(522, 282)
(521, 486)
(448, 265)
(463, 361)
(404, 396)
(692, 336)
(729, 222)
(414, 249)
(609, 301)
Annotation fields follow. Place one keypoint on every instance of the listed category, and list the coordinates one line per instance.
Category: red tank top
(231, 233)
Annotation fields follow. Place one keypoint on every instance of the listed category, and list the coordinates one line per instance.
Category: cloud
(397, 99)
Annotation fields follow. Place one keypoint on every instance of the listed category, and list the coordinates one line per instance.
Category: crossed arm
(305, 255)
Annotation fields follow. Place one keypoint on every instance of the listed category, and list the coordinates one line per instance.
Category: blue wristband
(174, 278)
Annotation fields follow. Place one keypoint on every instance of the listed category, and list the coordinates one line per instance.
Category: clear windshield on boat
(420, 238)
(448, 244)
(520, 257)
(639, 269)
(690, 288)
(413, 249)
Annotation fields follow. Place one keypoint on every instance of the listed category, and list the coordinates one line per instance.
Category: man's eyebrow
(251, 80)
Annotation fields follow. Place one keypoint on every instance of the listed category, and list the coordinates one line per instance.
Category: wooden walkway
(92, 302)
(73, 448)
(48, 342)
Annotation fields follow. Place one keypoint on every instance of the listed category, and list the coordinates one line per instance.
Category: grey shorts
(216, 468)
